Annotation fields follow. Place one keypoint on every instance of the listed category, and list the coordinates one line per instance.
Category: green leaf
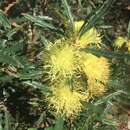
(38, 21)
(7, 121)
(108, 54)
(109, 97)
(34, 84)
(59, 124)
(68, 12)
(44, 41)
(110, 122)
(32, 74)
(8, 55)
(32, 129)
(97, 16)
(128, 30)
(5, 58)
(12, 32)
(4, 21)
(1, 122)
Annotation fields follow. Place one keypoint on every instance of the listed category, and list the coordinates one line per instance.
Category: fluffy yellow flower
(61, 60)
(119, 42)
(95, 67)
(65, 101)
(89, 37)
(95, 88)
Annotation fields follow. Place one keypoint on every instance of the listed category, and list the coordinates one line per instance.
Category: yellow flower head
(61, 60)
(65, 101)
(95, 67)
(95, 88)
(89, 37)
(119, 42)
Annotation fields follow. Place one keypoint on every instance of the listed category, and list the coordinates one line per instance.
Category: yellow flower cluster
(89, 37)
(97, 71)
(122, 41)
(62, 59)
(95, 88)
(65, 60)
(65, 100)
(95, 67)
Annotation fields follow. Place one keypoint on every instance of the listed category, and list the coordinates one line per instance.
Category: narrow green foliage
(68, 12)
(109, 54)
(97, 16)
(1, 122)
(59, 124)
(37, 85)
(4, 20)
(8, 56)
(109, 97)
(7, 122)
(12, 32)
(38, 21)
